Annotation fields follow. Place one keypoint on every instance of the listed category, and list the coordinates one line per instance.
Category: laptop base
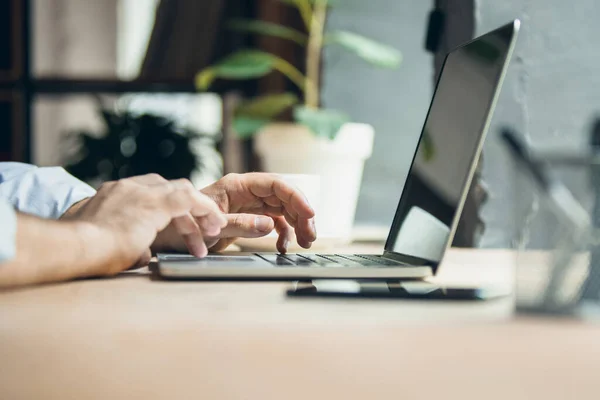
(272, 267)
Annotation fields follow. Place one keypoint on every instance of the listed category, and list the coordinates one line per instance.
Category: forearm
(51, 251)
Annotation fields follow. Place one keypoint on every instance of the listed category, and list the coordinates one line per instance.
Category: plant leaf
(205, 78)
(266, 107)
(369, 50)
(244, 64)
(247, 64)
(245, 127)
(270, 29)
(323, 123)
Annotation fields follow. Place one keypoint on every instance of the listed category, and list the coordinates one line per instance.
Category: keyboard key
(381, 260)
(298, 260)
(319, 260)
(311, 257)
(340, 260)
(357, 259)
(366, 259)
(276, 259)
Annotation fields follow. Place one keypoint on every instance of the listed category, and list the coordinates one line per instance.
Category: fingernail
(314, 227)
(286, 244)
(263, 224)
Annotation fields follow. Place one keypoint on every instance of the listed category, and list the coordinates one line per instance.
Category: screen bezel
(388, 252)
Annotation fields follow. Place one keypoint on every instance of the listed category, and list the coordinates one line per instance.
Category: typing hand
(125, 217)
(257, 203)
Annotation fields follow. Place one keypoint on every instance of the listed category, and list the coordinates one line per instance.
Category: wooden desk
(131, 337)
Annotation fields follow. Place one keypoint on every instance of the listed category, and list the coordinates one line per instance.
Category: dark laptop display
(429, 208)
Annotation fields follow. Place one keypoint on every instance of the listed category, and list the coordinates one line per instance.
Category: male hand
(125, 217)
(257, 203)
(254, 204)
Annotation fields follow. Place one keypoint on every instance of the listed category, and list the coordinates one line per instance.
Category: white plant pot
(293, 149)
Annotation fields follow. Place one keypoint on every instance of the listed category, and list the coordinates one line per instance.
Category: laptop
(434, 192)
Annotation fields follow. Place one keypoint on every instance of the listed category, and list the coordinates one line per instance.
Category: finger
(247, 226)
(290, 218)
(241, 225)
(196, 246)
(304, 228)
(272, 201)
(293, 199)
(149, 179)
(191, 234)
(267, 185)
(305, 232)
(182, 198)
(222, 244)
(284, 231)
(296, 210)
(272, 211)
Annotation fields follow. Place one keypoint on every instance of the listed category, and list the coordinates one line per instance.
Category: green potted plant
(319, 140)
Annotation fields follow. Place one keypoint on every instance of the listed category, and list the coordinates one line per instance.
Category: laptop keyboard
(329, 260)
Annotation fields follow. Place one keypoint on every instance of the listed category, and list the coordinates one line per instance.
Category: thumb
(247, 226)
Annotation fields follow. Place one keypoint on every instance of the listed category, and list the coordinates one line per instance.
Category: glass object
(557, 240)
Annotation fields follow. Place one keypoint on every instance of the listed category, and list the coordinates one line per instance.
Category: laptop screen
(449, 146)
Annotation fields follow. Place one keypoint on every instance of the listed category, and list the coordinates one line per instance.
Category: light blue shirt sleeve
(45, 192)
(8, 230)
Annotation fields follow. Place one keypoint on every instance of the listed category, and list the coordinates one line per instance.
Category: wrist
(49, 251)
(95, 248)
(74, 209)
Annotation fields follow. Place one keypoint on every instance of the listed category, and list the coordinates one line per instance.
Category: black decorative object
(435, 29)
(135, 145)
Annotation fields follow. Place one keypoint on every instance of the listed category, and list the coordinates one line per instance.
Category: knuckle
(232, 176)
(123, 184)
(156, 177)
(185, 185)
(238, 220)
